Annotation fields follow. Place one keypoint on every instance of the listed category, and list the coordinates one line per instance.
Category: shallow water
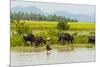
(54, 56)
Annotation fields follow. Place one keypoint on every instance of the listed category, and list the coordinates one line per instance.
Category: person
(48, 48)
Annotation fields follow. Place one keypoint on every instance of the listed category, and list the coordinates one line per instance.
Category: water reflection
(53, 56)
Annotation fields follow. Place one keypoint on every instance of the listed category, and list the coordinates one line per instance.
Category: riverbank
(58, 47)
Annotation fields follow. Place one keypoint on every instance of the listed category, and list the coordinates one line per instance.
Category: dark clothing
(48, 47)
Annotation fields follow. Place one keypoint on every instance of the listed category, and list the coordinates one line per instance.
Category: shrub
(62, 25)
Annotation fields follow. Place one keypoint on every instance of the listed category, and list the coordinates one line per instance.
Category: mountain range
(34, 9)
(30, 9)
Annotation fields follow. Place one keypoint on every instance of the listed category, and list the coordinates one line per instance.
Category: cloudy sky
(52, 7)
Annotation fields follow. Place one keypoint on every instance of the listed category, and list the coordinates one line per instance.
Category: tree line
(39, 17)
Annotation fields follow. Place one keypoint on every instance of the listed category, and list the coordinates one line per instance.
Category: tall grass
(81, 39)
(42, 25)
(48, 29)
(16, 40)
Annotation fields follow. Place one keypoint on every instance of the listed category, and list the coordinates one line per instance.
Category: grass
(48, 28)
(58, 47)
(82, 26)
(42, 25)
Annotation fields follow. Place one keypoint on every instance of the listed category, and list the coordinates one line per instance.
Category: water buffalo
(32, 39)
(63, 37)
(28, 38)
(38, 40)
(91, 39)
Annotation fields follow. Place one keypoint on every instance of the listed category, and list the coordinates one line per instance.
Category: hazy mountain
(30, 9)
(34, 9)
(79, 17)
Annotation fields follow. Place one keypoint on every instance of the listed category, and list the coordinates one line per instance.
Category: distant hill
(30, 9)
(34, 9)
(79, 17)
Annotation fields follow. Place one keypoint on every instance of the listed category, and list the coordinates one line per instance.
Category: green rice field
(42, 25)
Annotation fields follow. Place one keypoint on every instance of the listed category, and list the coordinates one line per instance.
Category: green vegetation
(39, 17)
(16, 40)
(45, 25)
(48, 26)
(56, 46)
(49, 29)
(62, 25)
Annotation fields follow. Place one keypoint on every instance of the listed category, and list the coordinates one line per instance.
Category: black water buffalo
(38, 40)
(91, 39)
(63, 37)
(32, 39)
(28, 38)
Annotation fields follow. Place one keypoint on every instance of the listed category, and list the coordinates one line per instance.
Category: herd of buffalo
(62, 38)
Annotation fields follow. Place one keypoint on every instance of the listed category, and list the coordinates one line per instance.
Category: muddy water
(54, 56)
